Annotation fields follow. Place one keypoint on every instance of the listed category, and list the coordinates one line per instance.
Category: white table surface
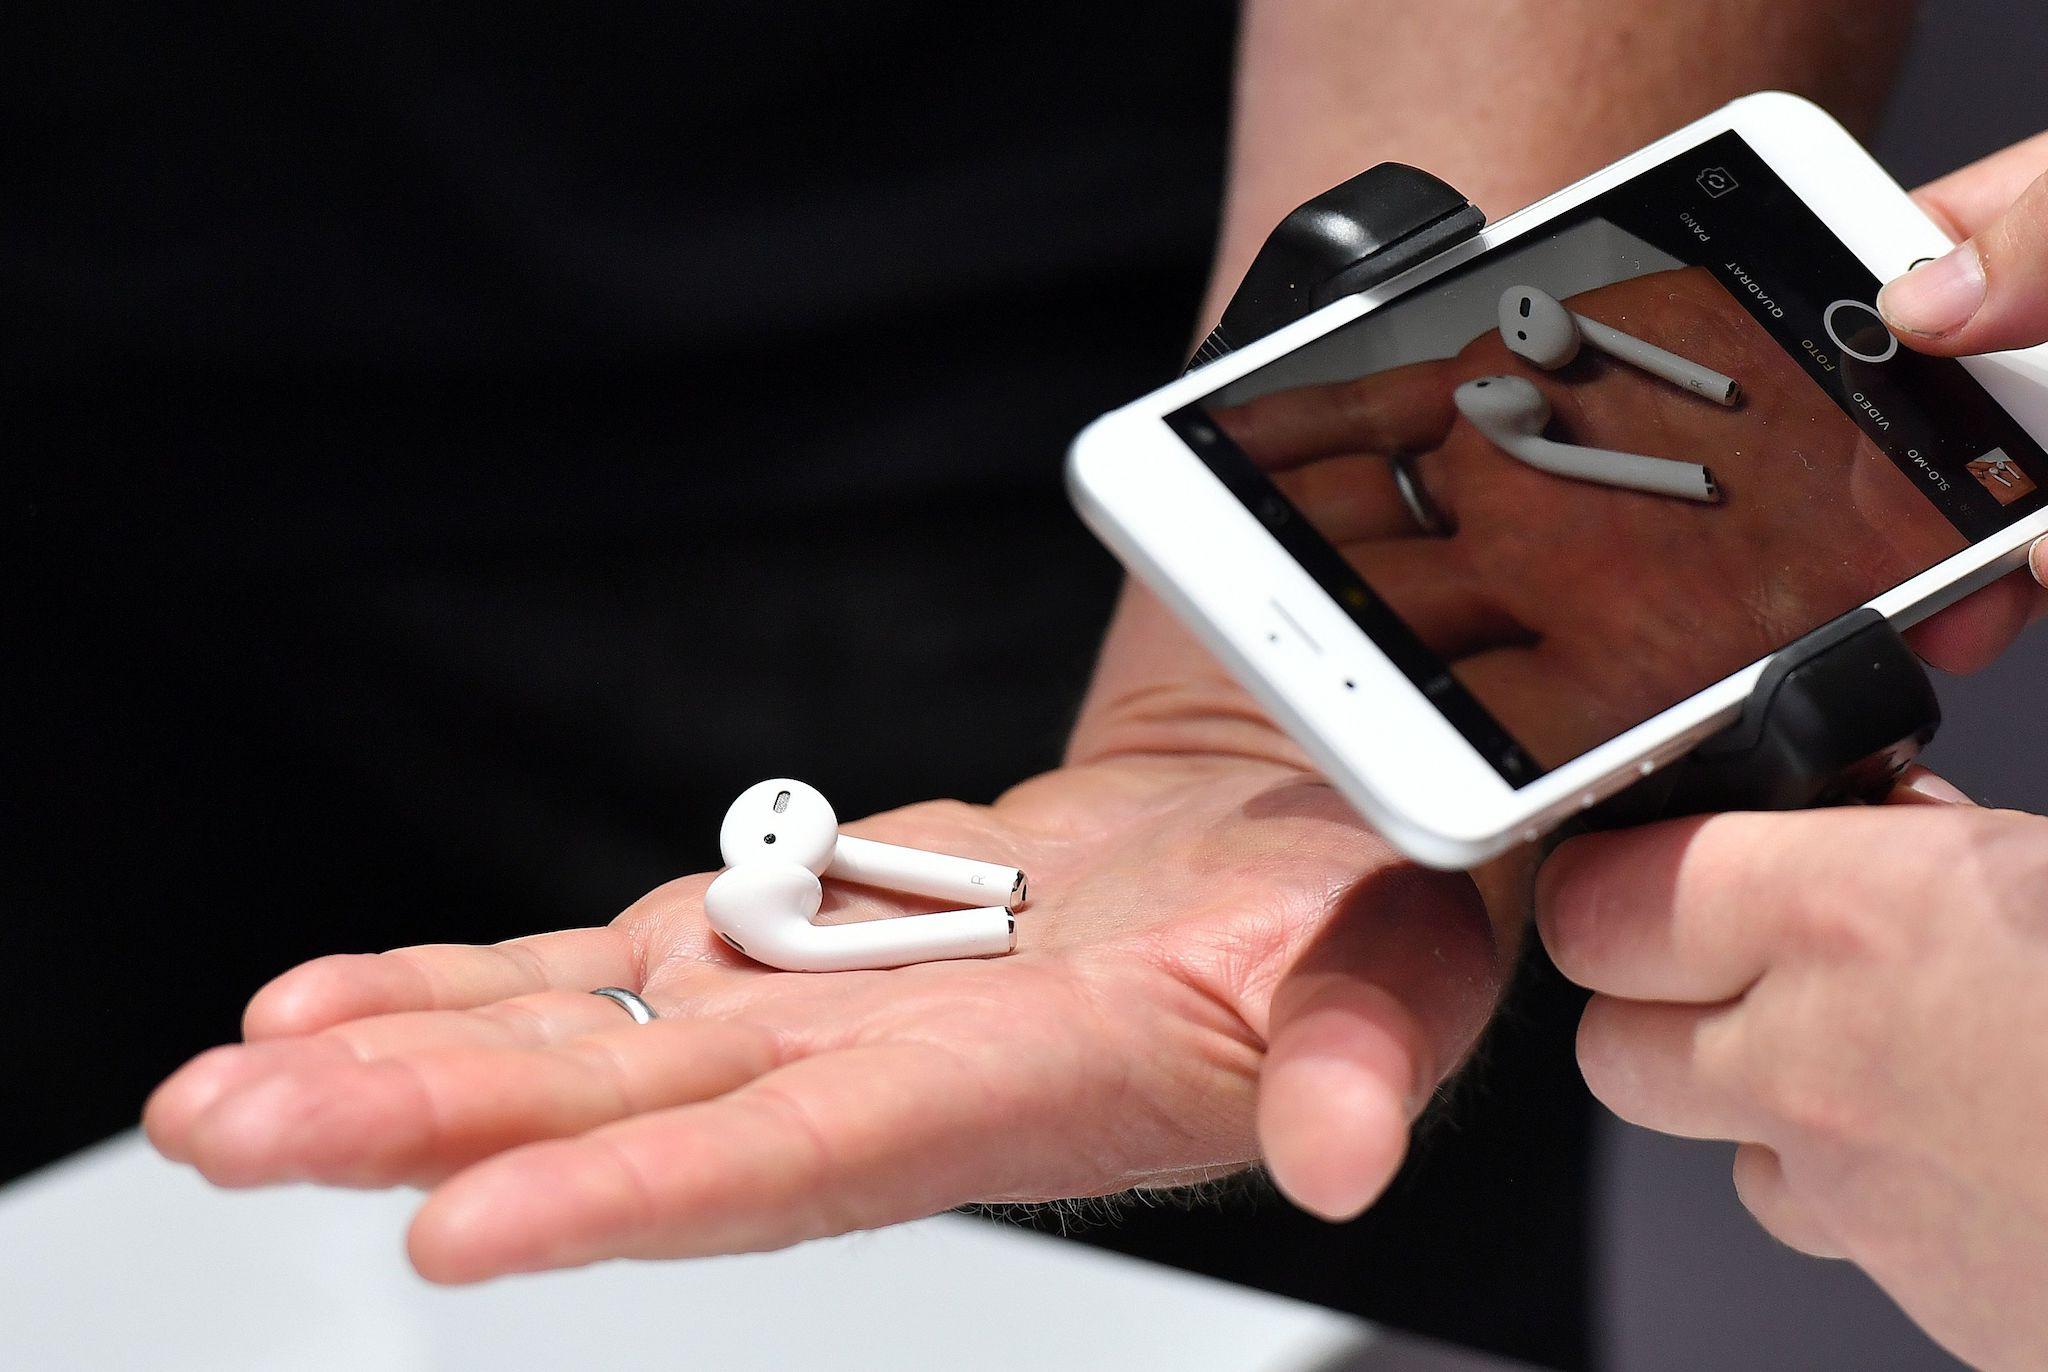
(115, 1259)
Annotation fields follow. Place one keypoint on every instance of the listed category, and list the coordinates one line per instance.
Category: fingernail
(1936, 788)
(1936, 298)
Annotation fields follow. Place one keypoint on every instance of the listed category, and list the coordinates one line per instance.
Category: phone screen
(1539, 605)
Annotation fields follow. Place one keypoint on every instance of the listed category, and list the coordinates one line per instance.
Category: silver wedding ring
(639, 1009)
(1421, 508)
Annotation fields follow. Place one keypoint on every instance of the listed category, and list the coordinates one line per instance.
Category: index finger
(1686, 910)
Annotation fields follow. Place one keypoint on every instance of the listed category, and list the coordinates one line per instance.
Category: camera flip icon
(1716, 182)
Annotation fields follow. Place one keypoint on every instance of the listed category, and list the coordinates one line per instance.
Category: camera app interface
(1590, 473)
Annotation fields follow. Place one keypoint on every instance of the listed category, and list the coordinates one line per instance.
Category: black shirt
(450, 450)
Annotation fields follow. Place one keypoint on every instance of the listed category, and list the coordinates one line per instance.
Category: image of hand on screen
(1573, 608)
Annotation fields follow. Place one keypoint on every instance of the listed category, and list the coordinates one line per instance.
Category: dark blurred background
(449, 451)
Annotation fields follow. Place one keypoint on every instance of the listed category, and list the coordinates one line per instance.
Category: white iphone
(1500, 537)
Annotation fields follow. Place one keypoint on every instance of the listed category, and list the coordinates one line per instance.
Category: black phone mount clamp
(1349, 239)
(1836, 716)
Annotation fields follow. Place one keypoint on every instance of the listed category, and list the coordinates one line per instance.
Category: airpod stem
(880, 943)
(1511, 412)
(919, 873)
(877, 945)
(1630, 471)
(1679, 371)
(764, 911)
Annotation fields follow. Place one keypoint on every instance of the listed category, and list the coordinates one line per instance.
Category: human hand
(1542, 575)
(1202, 904)
(1855, 996)
(1988, 293)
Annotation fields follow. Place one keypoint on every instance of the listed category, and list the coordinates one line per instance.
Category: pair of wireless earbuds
(781, 836)
(1512, 413)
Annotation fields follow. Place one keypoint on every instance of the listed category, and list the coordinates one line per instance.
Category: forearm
(1510, 99)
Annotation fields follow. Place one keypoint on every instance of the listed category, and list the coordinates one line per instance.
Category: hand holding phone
(1945, 902)
(1989, 292)
(1995, 206)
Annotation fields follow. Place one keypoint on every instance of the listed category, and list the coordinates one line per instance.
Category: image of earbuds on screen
(1512, 414)
(1543, 332)
(781, 836)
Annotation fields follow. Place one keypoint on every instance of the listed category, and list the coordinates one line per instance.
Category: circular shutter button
(1859, 331)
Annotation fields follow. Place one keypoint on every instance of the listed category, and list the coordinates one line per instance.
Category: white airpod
(1512, 412)
(1541, 331)
(780, 836)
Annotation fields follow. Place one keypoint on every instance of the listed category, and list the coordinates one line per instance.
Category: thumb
(1385, 1001)
(1340, 1083)
(1988, 293)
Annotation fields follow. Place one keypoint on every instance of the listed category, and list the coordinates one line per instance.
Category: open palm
(1204, 910)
